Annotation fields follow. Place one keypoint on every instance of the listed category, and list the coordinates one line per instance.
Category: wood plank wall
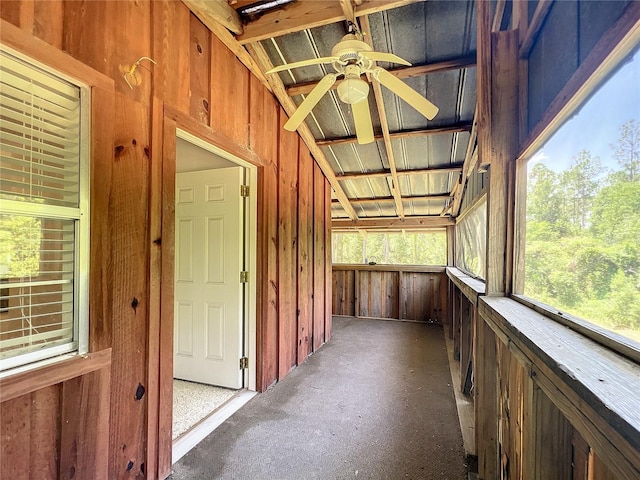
(520, 432)
(208, 92)
(390, 292)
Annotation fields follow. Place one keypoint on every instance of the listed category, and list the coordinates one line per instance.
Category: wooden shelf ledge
(389, 268)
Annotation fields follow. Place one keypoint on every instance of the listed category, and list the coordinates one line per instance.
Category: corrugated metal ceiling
(421, 33)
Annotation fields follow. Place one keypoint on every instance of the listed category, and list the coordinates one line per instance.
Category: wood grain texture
(48, 22)
(129, 210)
(200, 68)
(319, 269)
(165, 370)
(264, 140)
(305, 254)
(171, 35)
(287, 249)
(229, 94)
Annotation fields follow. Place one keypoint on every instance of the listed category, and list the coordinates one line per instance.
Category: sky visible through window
(596, 125)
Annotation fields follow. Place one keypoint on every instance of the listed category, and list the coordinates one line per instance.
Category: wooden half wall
(390, 291)
(199, 86)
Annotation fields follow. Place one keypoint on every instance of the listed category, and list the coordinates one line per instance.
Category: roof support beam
(393, 222)
(534, 26)
(384, 125)
(400, 72)
(387, 173)
(305, 14)
(260, 55)
(458, 127)
(218, 10)
(364, 201)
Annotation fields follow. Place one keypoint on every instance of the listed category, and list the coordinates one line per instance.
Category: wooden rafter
(218, 10)
(400, 72)
(387, 173)
(470, 159)
(259, 54)
(384, 125)
(534, 26)
(458, 127)
(363, 201)
(393, 222)
(305, 14)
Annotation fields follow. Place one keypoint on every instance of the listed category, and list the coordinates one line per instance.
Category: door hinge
(244, 190)
(244, 363)
(244, 277)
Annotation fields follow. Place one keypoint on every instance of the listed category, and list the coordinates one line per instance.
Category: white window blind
(43, 211)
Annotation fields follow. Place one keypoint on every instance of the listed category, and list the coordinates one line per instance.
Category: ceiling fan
(352, 58)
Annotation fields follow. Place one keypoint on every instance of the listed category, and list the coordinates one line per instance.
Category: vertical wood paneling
(486, 401)
(129, 209)
(305, 254)
(287, 248)
(45, 430)
(264, 140)
(100, 298)
(200, 68)
(319, 206)
(229, 94)
(165, 369)
(171, 35)
(85, 422)
(48, 21)
(15, 428)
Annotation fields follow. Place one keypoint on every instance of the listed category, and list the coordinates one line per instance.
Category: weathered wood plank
(305, 254)
(328, 259)
(287, 248)
(15, 428)
(263, 122)
(48, 21)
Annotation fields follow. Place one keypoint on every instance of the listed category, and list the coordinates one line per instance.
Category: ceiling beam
(400, 72)
(364, 201)
(384, 126)
(304, 14)
(218, 10)
(435, 221)
(456, 128)
(259, 54)
(387, 173)
(542, 9)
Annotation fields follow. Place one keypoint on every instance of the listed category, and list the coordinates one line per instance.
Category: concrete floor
(376, 402)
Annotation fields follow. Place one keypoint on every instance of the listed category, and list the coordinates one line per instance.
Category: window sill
(595, 388)
(471, 287)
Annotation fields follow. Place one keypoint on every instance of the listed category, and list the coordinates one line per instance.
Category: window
(391, 248)
(471, 239)
(582, 253)
(44, 209)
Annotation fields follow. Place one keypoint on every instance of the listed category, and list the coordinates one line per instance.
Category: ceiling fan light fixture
(353, 90)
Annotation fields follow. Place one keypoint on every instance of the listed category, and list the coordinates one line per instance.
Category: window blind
(40, 212)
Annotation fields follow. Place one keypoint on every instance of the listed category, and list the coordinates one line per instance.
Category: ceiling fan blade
(385, 57)
(404, 91)
(312, 99)
(303, 63)
(362, 120)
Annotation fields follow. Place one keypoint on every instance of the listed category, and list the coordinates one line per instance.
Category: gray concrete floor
(376, 402)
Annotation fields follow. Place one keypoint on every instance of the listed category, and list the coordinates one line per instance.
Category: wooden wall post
(500, 153)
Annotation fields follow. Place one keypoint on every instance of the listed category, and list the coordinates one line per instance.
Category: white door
(208, 293)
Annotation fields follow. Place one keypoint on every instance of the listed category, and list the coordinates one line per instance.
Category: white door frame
(251, 249)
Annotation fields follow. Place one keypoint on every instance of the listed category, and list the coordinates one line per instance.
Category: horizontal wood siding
(198, 85)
